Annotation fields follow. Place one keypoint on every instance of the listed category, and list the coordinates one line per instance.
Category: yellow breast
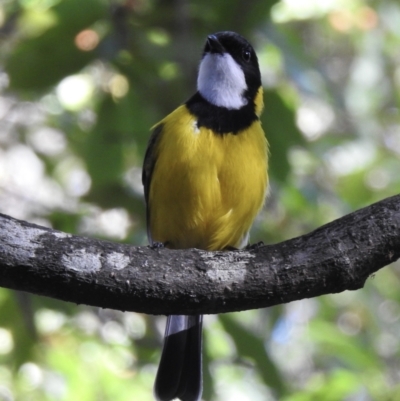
(206, 188)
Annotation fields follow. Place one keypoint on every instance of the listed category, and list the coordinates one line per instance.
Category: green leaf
(252, 346)
(40, 62)
(346, 348)
(335, 386)
(279, 125)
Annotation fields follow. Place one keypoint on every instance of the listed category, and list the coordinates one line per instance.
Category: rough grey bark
(338, 256)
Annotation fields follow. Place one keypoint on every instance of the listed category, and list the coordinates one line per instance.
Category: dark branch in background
(336, 257)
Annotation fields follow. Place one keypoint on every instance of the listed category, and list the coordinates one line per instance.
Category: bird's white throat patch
(221, 81)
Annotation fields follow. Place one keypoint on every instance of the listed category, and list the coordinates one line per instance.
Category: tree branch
(338, 256)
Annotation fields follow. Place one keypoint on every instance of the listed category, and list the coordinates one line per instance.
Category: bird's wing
(150, 159)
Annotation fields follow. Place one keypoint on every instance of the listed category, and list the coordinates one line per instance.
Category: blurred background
(82, 82)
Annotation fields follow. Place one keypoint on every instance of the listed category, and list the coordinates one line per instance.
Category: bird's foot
(257, 245)
(157, 245)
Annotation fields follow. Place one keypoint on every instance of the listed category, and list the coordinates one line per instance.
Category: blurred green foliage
(82, 82)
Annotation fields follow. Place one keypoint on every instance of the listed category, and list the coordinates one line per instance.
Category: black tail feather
(180, 371)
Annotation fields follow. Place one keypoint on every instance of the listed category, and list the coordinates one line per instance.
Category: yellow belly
(206, 189)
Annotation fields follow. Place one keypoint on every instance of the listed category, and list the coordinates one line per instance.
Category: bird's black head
(229, 75)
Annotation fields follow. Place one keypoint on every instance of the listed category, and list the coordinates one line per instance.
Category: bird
(205, 180)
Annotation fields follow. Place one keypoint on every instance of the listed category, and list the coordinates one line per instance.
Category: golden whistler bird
(205, 180)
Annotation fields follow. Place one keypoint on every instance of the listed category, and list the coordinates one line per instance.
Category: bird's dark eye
(246, 55)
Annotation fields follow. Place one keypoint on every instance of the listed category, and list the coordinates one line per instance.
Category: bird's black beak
(213, 45)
